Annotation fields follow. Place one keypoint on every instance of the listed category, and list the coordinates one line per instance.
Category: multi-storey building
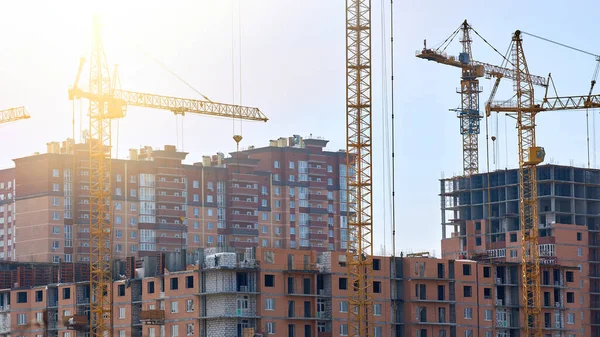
(483, 213)
(288, 292)
(286, 195)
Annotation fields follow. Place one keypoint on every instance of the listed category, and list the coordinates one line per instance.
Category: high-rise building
(482, 212)
(285, 195)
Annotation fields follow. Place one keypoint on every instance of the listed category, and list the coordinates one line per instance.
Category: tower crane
(358, 167)
(13, 115)
(469, 91)
(530, 155)
(106, 104)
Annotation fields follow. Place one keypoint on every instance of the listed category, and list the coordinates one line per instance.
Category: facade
(288, 292)
(569, 209)
(286, 195)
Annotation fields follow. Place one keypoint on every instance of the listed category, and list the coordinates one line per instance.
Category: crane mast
(469, 112)
(529, 157)
(358, 166)
(101, 111)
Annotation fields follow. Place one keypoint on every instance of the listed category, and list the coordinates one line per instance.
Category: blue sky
(293, 68)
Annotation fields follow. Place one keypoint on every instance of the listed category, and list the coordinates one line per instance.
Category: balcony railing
(152, 317)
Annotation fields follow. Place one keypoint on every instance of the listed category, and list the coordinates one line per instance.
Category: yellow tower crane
(358, 167)
(530, 155)
(472, 70)
(106, 104)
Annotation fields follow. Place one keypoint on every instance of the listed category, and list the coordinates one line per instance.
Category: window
(174, 283)
(189, 305)
(570, 318)
(189, 282)
(269, 304)
(569, 276)
(55, 187)
(377, 287)
(269, 280)
(513, 237)
(579, 252)
(66, 293)
(466, 269)
(39, 296)
(276, 164)
(467, 291)
(329, 168)
(55, 202)
(343, 329)
(55, 173)
(270, 328)
(486, 272)
(22, 297)
(196, 184)
(468, 313)
(343, 283)
(150, 287)
(468, 333)
(377, 309)
(487, 293)
(121, 290)
(488, 314)
(343, 306)
(478, 241)
(190, 329)
(21, 319)
(578, 236)
(121, 313)
(570, 297)
(291, 165)
(376, 264)
(174, 307)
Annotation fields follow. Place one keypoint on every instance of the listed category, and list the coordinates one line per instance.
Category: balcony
(152, 317)
(318, 236)
(317, 197)
(170, 199)
(77, 322)
(244, 218)
(304, 268)
(170, 212)
(169, 185)
(168, 241)
(243, 204)
(242, 231)
(243, 191)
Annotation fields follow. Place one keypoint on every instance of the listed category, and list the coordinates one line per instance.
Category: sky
(289, 61)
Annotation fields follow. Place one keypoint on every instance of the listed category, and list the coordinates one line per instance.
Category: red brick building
(286, 195)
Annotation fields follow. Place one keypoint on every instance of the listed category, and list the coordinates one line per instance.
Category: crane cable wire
(385, 127)
(393, 140)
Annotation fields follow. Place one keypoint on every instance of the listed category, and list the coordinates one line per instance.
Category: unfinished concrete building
(482, 213)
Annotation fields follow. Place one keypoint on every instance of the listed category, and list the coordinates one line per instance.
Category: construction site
(278, 238)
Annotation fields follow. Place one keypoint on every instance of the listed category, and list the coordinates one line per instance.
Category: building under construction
(226, 291)
(480, 219)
